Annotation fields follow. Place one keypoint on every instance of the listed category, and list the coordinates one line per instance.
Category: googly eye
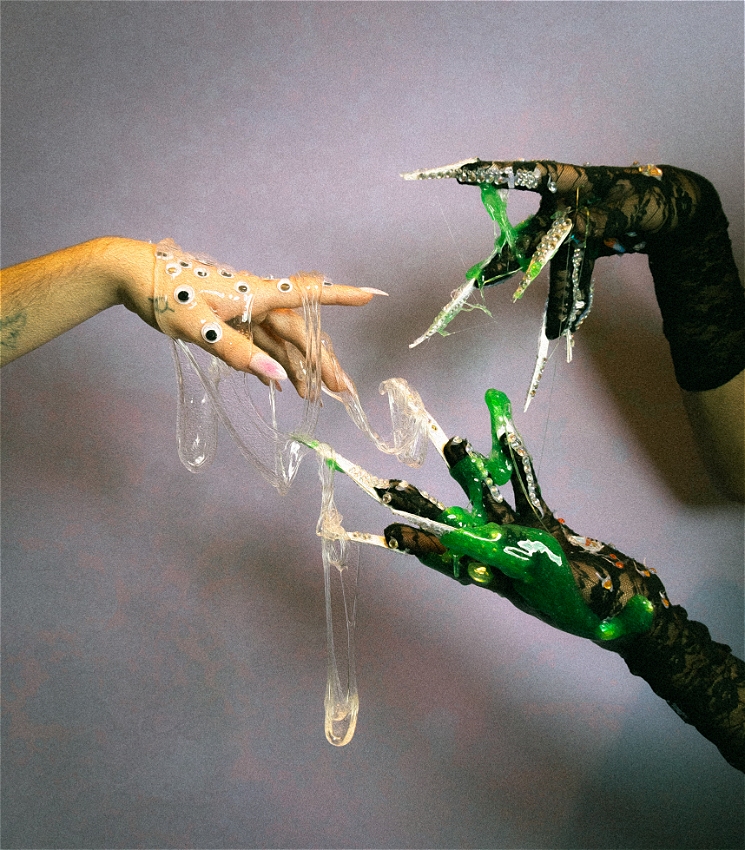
(211, 332)
(173, 269)
(184, 294)
(200, 272)
(163, 255)
(226, 273)
(241, 287)
(328, 282)
(185, 264)
(284, 285)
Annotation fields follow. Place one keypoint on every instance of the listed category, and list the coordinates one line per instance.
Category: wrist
(701, 680)
(125, 267)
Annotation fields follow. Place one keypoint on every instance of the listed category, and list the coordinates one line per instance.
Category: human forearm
(250, 322)
(44, 297)
(718, 420)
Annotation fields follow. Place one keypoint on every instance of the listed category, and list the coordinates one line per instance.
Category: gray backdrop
(164, 632)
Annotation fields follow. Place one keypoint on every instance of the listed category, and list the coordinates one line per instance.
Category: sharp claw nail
(373, 291)
(439, 173)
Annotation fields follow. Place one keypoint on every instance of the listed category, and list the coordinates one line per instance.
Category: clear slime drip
(196, 417)
(340, 574)
(210, 392)
(341, 703)
(412, 425)
(257, 433)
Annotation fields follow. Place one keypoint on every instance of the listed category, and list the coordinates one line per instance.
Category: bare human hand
(250, 322)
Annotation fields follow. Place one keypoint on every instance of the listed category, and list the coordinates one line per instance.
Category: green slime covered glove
(528, 564)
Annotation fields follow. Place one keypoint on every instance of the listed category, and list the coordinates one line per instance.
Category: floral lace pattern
(701, 679)
(674, 216)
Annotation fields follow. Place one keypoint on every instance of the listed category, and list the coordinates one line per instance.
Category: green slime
(531, 557)
(495, 202)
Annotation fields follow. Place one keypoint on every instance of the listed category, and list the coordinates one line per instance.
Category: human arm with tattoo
(257, 328)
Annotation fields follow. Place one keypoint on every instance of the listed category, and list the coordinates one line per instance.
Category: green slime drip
(495, 202)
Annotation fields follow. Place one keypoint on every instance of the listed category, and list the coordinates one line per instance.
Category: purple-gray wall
(164, 632)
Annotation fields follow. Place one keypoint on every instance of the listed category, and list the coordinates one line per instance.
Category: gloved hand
(586, 212)
(524, 553)
(574, 583)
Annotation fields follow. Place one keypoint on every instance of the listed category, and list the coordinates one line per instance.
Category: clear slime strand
(340, 573)
(196, 417)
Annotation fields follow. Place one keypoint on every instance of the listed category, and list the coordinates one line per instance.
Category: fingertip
(373, 291)
(264, 366)
(349, 296)
(301, 388)
(335, 378)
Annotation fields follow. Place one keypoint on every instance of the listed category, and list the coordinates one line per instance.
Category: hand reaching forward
(524, 553)
(247, 321)
(574, 583)
(610, 210)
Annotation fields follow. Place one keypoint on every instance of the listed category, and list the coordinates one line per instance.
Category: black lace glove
(702, 681)
(674, 216)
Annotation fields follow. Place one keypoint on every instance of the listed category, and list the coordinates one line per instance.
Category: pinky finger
(285, 353)
(238, 350)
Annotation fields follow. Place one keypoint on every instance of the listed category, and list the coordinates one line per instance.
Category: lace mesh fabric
(674, 216)
(701, 298)
(701, 679)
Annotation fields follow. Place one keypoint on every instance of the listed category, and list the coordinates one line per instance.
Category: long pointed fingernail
(441, 171)
(268, 367)
(373, 291)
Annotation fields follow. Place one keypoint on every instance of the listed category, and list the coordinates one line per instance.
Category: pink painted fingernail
(268, 367)
(373, 291)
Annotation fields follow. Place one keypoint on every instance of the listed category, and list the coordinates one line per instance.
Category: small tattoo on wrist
(161, 305)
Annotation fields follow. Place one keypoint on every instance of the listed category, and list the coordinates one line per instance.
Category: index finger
(543, 176)
(291, 292)
(512, 174)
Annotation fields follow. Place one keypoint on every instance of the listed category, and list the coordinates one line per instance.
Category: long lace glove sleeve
(700, 679)
(676, 218)
(700, 296)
